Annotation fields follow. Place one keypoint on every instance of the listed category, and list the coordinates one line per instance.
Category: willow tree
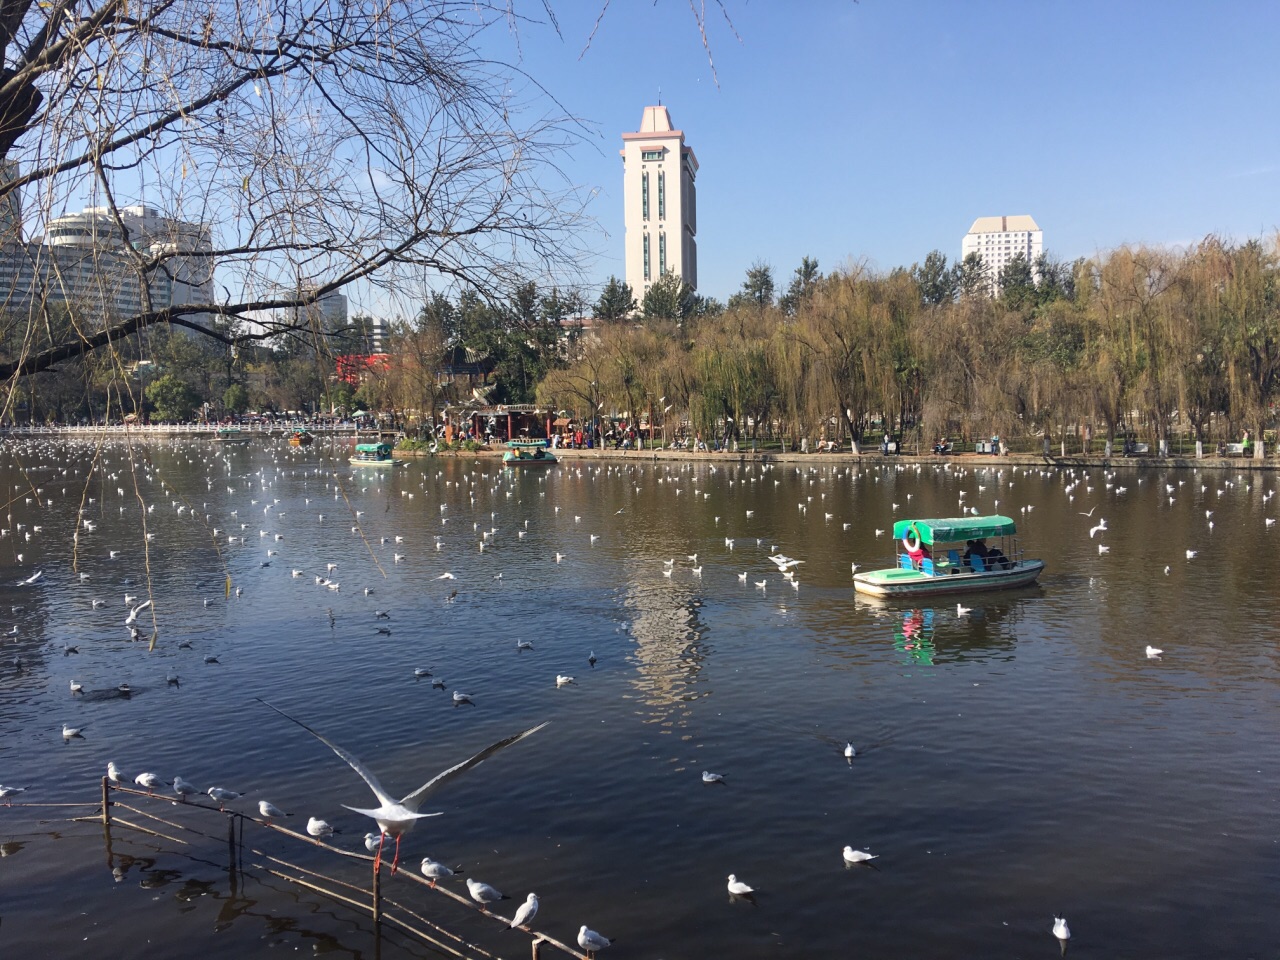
(302, 147)
(1249, 303)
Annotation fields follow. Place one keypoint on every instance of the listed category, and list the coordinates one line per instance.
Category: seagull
(460, 697)
(858, 856)
(69, 731)
(784, 563)
(420, 672)
(591, 658)
(962, 611)
(446, 576)
(371, 841)
(133, 614)
(223, 796)
(524, 644)
(737, 888)
(1153, 653)
(31, 579)
(849, 751)
(1191, 554)
(529, 908)
(1102, 549)
(563, 679)
(319, 828)
(397, 817)
(113, 773)
(148, 780)
(432, 870)
(184, 788)
(709, 777)
(1060, 928)
(270, 811)
(1100, 528)
(7, 792)
(77, 686)
(484, 894)
(591, 941)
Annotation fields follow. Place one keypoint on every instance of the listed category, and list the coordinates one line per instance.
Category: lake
(1022, 760)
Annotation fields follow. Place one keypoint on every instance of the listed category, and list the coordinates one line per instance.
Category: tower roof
(1003, 224)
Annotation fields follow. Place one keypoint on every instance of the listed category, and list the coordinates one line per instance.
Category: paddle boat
(528, 453)
(951, 556)
(230, 435)
(372, 455)
(301, 438)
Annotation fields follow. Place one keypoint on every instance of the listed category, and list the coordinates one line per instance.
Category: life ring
(912, 548)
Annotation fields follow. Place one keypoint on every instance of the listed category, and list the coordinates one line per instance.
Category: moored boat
(952, 556)
(522, 453)
(372, 455)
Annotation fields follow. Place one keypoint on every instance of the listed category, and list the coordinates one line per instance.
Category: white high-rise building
(659, 203)
(998, 240)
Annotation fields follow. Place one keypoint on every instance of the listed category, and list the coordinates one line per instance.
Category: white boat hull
(898, 583)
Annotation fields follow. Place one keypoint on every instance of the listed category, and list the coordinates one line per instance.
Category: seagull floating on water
(858, 856)
(738, 888)
(1153, 653)
(709, 777)
(1060, 928)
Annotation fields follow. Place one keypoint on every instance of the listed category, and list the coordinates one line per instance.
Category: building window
(650, 154)
(662, 195)
(662, 254)
(644, 195)
(646, 256)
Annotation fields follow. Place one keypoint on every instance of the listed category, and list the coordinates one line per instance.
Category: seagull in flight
(784, 563)
(397, 817)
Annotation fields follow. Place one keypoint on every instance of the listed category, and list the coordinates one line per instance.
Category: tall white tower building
(659, 202)
(998, 240)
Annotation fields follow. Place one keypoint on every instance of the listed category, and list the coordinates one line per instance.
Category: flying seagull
(397, 817)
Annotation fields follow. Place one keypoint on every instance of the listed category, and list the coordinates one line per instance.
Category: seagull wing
(414, 800)
(365, 773)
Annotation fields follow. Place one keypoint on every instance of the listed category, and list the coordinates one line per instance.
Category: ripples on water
(1022, 760)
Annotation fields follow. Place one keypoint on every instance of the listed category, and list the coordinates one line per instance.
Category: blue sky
(879, 130)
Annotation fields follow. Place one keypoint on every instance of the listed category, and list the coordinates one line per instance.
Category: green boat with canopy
(952, 555)
(372, 455)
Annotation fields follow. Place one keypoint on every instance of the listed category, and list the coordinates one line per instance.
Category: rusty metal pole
(106, 801)
(377, 897)
(231, 844)
(537, 948)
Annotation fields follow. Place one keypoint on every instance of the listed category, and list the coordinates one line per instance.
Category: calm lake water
(1024, 760)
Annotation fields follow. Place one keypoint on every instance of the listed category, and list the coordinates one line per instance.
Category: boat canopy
(373, 448)
(526, 444)
(955, 528)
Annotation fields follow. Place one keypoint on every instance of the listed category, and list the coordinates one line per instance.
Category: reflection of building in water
(667, 631)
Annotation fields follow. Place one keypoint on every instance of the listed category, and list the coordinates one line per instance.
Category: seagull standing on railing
(397, 817)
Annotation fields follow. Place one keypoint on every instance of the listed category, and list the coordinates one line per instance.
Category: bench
(1138, 450)
(1233, 450)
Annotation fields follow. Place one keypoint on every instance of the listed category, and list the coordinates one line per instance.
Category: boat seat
(953, 558)
(904, 562)
(926, 567)
(977, 564)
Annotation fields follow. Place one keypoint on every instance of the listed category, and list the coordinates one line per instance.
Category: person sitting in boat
(974, 548)
(919, 554)
(996, 558)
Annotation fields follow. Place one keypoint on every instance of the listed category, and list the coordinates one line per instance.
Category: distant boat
(301, 438)
(230, 435)
(372, 455)
(528, 453)
(938, 559)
